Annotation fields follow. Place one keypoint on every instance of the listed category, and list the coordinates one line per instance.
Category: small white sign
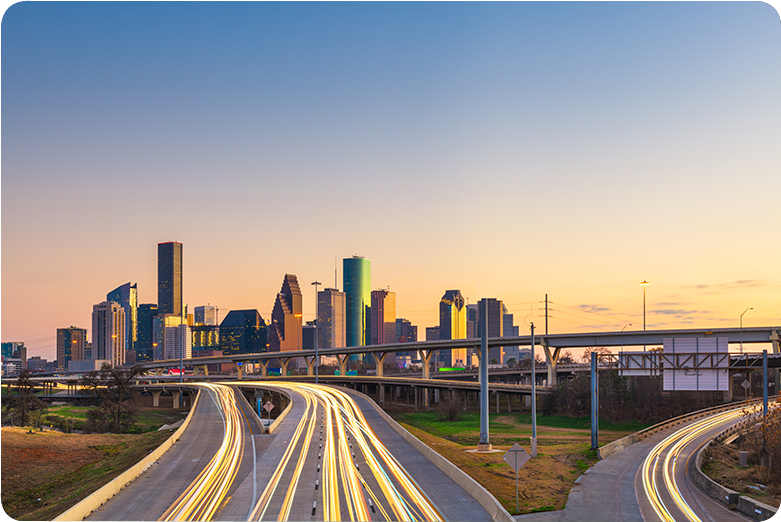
(516, 457)
(746, 384)
(268, 406)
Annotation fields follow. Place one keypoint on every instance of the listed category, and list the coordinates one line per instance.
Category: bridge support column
(264, 367)
(284, 361)
(310, 365)
(425, 356)
(239, 370)
(379, 361)
(774, 340)
(552, 360)
(156, 398)
(416, 399)
(381, 394)
(158, 371)
(203, 368)
(177, 397)
(342, 363)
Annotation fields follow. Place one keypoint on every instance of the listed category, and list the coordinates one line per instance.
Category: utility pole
(317, 359)
(534, 398)
(546, 314)
(484, 443)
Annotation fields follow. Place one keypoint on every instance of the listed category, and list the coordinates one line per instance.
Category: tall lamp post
(317, 359)
(644, 284)
(741, 329)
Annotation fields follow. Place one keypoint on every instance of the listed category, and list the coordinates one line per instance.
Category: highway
(667, 493)
(332, 458)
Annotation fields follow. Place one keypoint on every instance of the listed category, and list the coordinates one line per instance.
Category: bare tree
(24, 402)
(111, 387)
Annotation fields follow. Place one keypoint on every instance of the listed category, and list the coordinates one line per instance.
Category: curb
(748, 506)
(99, 497)
(478, 492)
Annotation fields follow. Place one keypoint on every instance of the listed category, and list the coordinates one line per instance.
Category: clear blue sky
(505, 149)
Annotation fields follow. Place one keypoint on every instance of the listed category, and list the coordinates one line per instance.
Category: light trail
(203, 498)
(661, 463)
(396, 495)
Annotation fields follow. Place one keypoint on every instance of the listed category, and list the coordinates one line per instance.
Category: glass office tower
(169, 278)
(357, 288)
(127, 297)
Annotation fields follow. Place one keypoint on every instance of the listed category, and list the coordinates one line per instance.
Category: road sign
(746, 384)
(268, 406)
(516, 457)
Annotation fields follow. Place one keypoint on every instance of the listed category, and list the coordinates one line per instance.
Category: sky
(508, 150)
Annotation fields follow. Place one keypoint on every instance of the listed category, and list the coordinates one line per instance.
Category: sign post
(268, 407)
(516, 457)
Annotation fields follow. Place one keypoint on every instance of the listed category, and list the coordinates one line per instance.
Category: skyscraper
(108, 333)
(71, 344)
(144, 347)
(383, 317)
(452, 325)
(169, 278)
(206, 315)
(127, 297)
(330, 318)
(286, 317)
(495, 311)
(357, 288)
(242, 331)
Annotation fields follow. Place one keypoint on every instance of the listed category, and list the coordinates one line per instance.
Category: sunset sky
(508, 150)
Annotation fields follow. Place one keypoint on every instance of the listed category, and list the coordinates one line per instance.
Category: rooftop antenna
(335, 285)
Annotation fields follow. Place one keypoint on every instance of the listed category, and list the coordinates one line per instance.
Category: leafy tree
(21, 405)
(511, 362)
(111, 388)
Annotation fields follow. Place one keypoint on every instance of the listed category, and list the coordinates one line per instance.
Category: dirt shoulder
(45, 473)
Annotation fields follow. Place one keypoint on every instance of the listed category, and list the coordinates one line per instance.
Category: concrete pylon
(156, 397)
(379, 360)
(342, 363)
(284, 361)
(264, 367)
(552, 360)
(310, 365)
(177, 395)
(239, 370)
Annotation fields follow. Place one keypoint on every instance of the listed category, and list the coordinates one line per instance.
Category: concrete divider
(478, 492)
(748, 506)
(99, 497)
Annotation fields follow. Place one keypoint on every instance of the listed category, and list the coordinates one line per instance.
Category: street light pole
(644, 283)
(741, 329)
(317, 359)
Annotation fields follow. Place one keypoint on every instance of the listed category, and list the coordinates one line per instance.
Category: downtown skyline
(506, 150)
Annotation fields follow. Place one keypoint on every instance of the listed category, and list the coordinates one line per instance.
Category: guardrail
(732, 499)
(623, 443)
(101, 496)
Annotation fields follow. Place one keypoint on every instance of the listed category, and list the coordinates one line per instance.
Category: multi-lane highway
(667, 492)
(332, 458)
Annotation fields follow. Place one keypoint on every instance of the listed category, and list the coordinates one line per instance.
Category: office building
(406, 332)
(452, 325)
(169, 278)
(286, 318)
(357, 288)
(71, 345)
(243, 331)
(494, 309)
(177, 342)
(205, 338)
(144, 349)
(108, 333)
(160, 325)
(206, 315)
(9, 348)
(509, 330)
(331, 319)
(432, 333)
(127, 297)
(383, 317)
(308, 332)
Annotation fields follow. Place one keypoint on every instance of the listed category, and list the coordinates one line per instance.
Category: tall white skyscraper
(178, 342)
(108, 333)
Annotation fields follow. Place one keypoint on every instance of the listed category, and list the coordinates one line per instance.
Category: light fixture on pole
(317, 359)
(622, 335)
(644, 283)
(741, 329)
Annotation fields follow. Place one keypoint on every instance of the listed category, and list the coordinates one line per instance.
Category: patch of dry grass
(45, 473)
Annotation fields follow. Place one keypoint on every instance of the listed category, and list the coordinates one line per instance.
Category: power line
(622, 319)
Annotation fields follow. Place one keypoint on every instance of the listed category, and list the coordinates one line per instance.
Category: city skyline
(579, 149)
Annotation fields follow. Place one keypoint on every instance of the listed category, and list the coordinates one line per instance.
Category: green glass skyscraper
(357, 288)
